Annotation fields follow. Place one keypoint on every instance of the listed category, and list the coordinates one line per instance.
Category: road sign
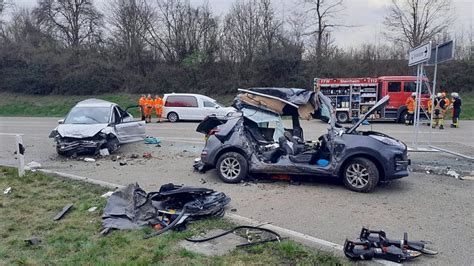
(419, 54)
(442, 53)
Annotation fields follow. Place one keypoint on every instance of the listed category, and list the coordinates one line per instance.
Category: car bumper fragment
(79, 145)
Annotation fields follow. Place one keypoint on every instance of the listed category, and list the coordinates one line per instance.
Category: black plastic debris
(169, 208)
(33, 241)
(375, 244)
(255, 235)
(61, 214)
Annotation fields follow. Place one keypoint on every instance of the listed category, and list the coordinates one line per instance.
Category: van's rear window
(181, 101)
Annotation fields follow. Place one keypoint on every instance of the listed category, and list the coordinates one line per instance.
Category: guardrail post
(20, 152)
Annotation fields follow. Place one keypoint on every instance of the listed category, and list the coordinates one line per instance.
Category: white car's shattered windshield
(88, 115)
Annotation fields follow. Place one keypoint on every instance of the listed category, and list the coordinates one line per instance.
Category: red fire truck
(352, 97)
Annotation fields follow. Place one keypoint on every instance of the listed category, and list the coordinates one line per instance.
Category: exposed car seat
(297, 145)
(256, 134)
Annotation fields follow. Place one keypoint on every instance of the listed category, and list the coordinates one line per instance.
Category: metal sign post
(443, 52)
(418, 56)
(433, 95)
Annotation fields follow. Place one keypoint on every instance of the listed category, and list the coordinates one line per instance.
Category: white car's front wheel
(173, 117)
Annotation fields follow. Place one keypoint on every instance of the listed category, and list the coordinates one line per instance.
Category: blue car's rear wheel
(232, 167)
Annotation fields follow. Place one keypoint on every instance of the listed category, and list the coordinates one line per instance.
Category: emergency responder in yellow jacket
(456, 105)
(439, 105)
(410, 103)
(447, 103)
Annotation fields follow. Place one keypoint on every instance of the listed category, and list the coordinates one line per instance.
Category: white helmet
(438, 94)
(413, 94)
(455, 95)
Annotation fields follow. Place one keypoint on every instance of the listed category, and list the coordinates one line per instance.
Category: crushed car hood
(283, 101)
(292, 96)
(79, 130)
(377, 107)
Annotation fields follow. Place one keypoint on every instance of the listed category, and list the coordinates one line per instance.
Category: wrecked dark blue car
(255, 141)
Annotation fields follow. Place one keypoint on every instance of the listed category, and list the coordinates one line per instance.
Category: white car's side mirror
(61, 121)
(217, 106)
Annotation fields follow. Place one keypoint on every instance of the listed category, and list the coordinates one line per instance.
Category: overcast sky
(367, 14)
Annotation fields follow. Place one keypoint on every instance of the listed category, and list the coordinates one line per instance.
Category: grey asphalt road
(429, 207)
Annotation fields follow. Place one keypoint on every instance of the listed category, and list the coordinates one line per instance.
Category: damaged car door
(127, 128)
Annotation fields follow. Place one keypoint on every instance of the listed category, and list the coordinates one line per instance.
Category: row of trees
(70, 46)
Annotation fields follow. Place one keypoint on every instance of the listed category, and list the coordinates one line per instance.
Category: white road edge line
(11, 134)
(294, 235)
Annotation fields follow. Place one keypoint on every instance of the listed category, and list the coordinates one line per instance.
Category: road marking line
(11, 134)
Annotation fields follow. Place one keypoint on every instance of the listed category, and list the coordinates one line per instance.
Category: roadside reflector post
(20, 152)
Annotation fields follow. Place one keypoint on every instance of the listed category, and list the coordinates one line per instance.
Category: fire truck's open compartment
(353, 99)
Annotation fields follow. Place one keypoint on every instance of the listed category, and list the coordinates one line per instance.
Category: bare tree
(22, 29)
(322, 17)
(417, 21)
(130, 22)
(2, 6)
(179, 31)
(73, 21)
(242, 31)
(270, 26)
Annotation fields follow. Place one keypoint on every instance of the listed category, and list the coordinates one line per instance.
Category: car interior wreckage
(131, 207)
(254, 140)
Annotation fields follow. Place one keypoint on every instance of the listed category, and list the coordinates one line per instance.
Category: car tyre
(342, 117)
(112, 144)
(402, 117)
(173, 117)
(232, 167)
(360, 175)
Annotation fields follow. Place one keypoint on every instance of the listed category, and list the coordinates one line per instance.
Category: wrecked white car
(93, 125)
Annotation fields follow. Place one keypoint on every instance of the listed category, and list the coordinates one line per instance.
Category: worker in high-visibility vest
(429, 105)
(439, 111)
(446, 99)
(142, 103)
(158, 104)
(149, 108)
(456, 105)
(447, 103)
(410, 103)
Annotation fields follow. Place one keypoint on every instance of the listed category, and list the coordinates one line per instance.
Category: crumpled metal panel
(80, 130)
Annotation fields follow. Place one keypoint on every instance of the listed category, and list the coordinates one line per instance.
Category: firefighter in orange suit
(148, 108)
(411, 105)
(142, 103)
(429, 105)
(158, 107)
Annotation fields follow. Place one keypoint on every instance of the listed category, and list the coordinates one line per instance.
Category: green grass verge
(12, 104)
(35, 198)
(467, 111)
